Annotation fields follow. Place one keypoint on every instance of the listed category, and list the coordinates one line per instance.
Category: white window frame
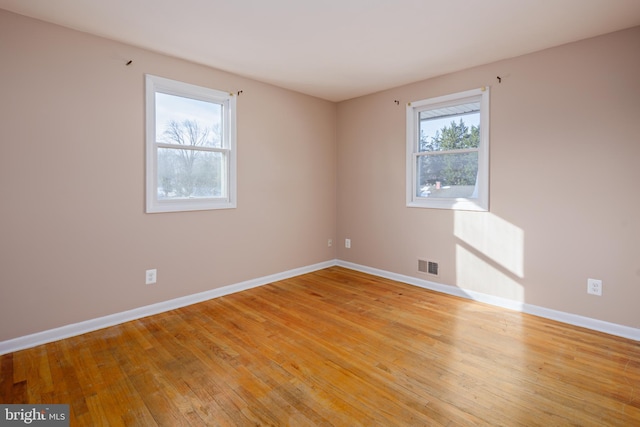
(479, 203)
(155, 84)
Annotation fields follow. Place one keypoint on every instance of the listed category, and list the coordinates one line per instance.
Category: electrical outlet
(594, 287)
(347, 243)
(330, 242)
(151, 276)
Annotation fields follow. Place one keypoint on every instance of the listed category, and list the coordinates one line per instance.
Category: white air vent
(429, 267)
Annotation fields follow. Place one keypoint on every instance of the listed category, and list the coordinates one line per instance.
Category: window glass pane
(186, 121)
(449, 132)
(447, 175)
(190, 174)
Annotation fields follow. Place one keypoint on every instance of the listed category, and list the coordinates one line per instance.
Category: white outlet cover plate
(151, 276)
(594, 287)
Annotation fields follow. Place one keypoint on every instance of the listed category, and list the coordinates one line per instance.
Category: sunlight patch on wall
(476, 274)
(493, 237)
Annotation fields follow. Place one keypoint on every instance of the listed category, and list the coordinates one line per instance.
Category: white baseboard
(67, 331)
(560, 316)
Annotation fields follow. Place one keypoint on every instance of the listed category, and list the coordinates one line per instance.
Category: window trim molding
(481, 203)
(155, 84)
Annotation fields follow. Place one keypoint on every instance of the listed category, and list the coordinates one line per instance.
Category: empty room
(338, 213)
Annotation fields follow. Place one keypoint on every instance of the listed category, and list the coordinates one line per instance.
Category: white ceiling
(338, 49)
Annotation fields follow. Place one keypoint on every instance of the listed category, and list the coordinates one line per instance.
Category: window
(191, 148)
(448, 151)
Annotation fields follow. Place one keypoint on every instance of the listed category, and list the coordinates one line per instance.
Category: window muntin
(190, 147)
(447, 151)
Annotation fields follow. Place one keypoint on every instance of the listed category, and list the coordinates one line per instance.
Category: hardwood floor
(334, 347)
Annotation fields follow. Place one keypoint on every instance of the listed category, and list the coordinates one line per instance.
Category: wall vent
(429, 267)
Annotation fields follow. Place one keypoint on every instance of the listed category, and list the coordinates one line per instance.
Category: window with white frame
(191, 147)
(448, 151)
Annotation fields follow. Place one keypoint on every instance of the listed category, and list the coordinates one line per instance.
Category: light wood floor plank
(334, 348)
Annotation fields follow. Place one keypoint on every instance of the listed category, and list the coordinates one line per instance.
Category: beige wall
(75, 241)
(565, 176)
